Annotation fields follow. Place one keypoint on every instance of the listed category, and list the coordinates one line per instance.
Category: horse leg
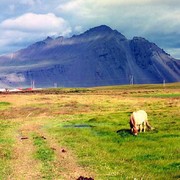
(144, 126)
(132, 130)
(140, 127)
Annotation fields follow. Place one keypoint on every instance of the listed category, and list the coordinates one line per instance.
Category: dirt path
(66, 160)
(26, 167)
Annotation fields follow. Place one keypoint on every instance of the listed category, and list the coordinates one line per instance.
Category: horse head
(135, 131)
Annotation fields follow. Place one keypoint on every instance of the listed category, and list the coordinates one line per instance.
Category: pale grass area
(44, 105)
(17, 100)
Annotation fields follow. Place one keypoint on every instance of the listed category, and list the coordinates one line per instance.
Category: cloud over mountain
(156, 20)
(32, 26)
(31, 22)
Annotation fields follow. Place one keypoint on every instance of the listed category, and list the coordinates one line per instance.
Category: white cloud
(155, 20)
(88, 5)
(31, 22)
(164, 23)
(78, 29)
(139, 2)
(29, 28)
(134, 17)
(174, 52)
(80, 8)
(73, 5)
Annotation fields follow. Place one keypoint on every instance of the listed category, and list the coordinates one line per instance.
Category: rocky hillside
(99, 56)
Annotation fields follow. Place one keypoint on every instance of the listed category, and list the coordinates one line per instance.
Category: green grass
(93, 123)
(4, 105)
(106, 146)
(6, 143)
(174, 95)
(45, 154)
(123, 88)
(6, 148)
(140, 87)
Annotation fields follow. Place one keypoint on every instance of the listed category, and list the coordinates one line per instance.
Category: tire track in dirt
(70, 168)
(23, 164)
(26, 167)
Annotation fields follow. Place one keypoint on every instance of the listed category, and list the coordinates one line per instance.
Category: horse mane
(132, 121)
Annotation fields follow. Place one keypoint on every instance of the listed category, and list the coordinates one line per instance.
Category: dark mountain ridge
(99, 56)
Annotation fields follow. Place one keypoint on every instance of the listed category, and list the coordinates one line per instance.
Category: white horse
(139, 122)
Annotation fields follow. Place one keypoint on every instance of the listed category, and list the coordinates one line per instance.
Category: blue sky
(23, 22)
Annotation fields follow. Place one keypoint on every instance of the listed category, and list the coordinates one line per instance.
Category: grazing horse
(139, 122)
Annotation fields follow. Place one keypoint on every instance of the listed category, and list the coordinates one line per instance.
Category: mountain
(99, 56)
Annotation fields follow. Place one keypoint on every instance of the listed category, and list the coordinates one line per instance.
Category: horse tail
(148, 125)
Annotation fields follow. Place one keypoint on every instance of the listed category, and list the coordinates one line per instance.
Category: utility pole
(55, 85)
(164, 82)
(32, 84)
(131, 79)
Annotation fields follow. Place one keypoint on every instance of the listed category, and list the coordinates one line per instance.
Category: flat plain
(65, 133)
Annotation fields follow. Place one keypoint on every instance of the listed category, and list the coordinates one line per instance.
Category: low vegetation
(45, 154)
(4, 105)
(6, 146)
(90, 128)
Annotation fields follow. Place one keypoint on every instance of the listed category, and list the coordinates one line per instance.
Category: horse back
(140, 117)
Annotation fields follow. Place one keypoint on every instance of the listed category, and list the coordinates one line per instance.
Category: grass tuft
(45, 154)
(4, 105)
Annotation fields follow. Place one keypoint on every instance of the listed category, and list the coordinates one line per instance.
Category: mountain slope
(100, 56)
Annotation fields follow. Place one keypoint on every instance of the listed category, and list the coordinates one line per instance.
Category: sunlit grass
(4, 105)
(102, 141)
(106, 146)
(169, 95)
(45, 154)
(6, 147)
(94, 124)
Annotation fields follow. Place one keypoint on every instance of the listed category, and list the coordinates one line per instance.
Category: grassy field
(67, 133)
